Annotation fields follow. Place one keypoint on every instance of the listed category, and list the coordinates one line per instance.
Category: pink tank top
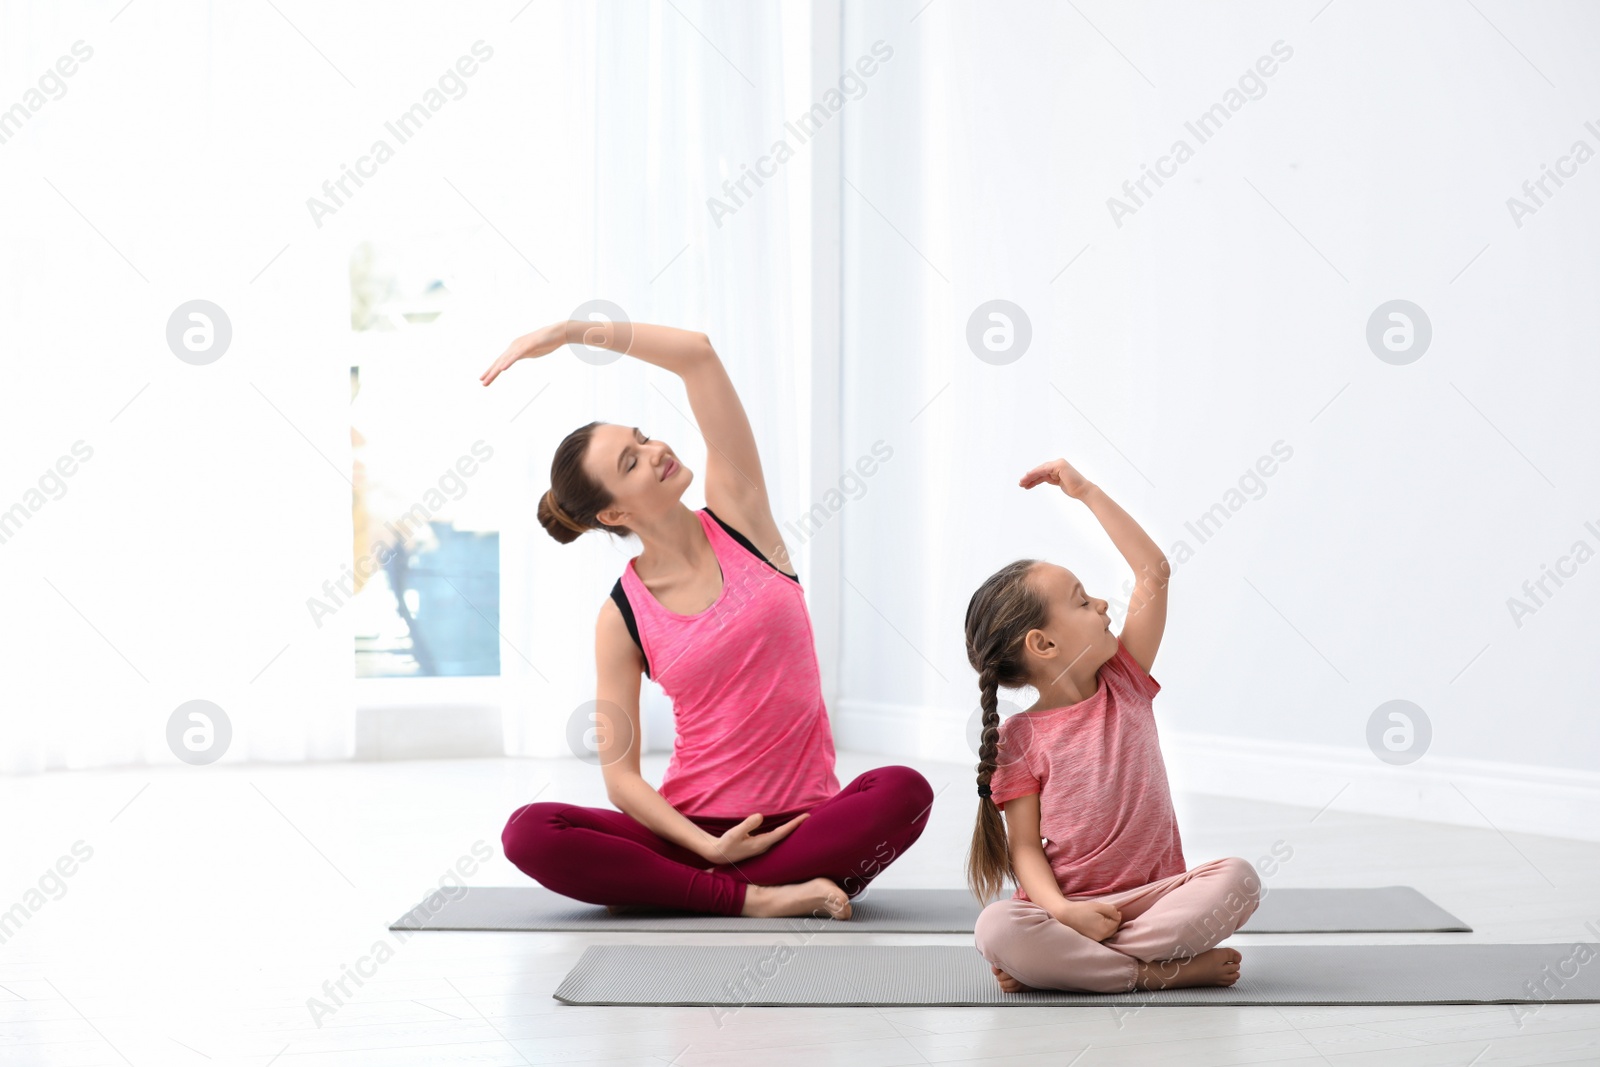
(752, 729)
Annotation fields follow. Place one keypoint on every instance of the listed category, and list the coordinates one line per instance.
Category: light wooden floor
(217, 901)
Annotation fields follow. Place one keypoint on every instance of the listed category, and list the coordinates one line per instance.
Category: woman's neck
(673, 543)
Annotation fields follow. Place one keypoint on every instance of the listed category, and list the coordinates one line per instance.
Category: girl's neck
(1066, 691)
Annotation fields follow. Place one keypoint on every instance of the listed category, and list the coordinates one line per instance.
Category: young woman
(749, 818)
(1103, 901)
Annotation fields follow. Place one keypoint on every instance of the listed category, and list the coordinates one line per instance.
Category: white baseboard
(1508, 797)
(448, 731)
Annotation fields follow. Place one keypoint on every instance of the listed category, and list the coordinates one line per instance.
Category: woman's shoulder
(716, 525)
(627, 577)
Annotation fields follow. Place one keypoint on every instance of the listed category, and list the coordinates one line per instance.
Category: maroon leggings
(607, 857)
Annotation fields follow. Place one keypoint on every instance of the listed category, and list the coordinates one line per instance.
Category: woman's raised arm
(735, 487)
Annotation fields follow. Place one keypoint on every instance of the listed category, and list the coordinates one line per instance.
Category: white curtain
(677, 100)
(172, 564)
(175, 163)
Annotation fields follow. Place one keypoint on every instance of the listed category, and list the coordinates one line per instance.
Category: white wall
(1227, 314)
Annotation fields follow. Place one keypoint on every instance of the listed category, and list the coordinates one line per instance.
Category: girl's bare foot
(819, 897)
(1218, 966)
(1009, 984)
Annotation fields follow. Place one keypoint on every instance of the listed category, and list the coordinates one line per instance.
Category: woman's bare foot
(1009, 984)
(1218, 966)
(819, 897)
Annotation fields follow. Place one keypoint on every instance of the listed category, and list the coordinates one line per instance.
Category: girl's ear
(1039, 643)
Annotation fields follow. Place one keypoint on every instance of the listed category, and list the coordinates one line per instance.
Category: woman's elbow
(618, 780)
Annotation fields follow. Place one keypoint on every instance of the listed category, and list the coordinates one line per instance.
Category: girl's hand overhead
(1058, 472)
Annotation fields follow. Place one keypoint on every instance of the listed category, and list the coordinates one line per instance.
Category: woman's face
(644, 477)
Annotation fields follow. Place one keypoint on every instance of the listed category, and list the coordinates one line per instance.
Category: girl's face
(1079, 625)
(644, 476)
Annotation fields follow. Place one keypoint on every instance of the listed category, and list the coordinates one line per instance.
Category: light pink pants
(1174, 918)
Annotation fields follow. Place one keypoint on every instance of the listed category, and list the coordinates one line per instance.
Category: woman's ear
(612, 516)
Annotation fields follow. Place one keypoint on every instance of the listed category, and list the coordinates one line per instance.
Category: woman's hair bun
(556, 522)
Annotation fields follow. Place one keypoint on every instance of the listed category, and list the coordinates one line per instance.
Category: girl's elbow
(1155, 575)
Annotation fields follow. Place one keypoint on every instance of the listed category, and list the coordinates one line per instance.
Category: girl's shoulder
(1027, 729)
(1132, 676)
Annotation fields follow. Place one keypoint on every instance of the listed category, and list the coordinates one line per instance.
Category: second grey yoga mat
(1383, 909)
(907, 975)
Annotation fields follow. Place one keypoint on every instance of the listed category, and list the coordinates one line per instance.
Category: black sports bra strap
(745, 541)
(621, 598)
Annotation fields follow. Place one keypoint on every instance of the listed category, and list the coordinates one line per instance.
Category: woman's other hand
(738, 844)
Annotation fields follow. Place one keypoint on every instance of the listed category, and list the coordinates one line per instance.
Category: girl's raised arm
(1147, 605)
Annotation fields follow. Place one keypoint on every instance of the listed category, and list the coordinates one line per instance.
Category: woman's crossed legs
(607, 857)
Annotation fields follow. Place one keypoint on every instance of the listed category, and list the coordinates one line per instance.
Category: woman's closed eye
(635, 460)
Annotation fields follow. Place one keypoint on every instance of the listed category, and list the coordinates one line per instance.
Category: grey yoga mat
(899, 975)
(1395, 908)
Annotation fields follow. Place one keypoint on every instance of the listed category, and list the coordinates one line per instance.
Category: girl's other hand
(540, 342)
(1094, 919)
(1058, 472)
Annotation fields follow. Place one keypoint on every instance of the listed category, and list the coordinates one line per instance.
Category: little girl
(1103, 902)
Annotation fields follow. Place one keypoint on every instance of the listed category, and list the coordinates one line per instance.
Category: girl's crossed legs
(607, 857)
(1173, 919)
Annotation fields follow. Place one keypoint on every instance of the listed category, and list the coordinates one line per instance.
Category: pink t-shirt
(1105, 809)
(752, 729)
